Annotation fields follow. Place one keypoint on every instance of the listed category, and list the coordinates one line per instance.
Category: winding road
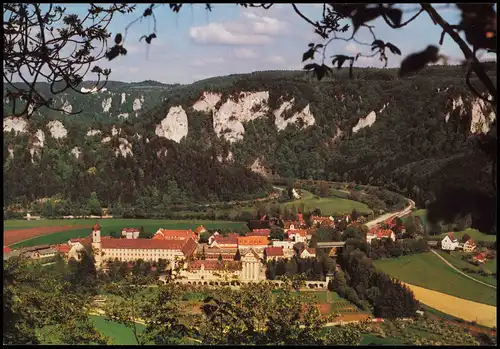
(458, 270)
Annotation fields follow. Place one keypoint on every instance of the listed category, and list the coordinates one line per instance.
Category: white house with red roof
(297, 235)
(219, 241)
(274, 253)
(480, 257)
(164, 234)
(308, 253)
(379, 234)
(469, 246)
(130, 233)
(450, 242)
(286, 245)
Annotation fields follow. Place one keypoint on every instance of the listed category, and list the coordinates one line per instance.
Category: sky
(196, 44)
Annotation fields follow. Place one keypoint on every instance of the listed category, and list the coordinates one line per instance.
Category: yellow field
(483, 314)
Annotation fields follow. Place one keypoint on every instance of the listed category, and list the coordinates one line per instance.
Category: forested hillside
(411, 135)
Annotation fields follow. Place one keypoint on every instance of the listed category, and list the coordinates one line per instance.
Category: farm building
(378, 234)
(164, 234)
(229, 241)
(450, 242)
(308, 253)
(469, 246)
(130, 233)
(480, 257)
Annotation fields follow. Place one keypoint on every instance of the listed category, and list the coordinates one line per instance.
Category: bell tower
(96, 245)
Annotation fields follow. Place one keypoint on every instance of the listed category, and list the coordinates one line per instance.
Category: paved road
(407, 210)
(470, 277)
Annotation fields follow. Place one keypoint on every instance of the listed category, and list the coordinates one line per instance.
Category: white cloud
(265, 25)
(351, 48)
(244, 53)
(217, 33)
(249, 29)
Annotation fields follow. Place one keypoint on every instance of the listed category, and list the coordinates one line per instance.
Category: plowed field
(17, 235)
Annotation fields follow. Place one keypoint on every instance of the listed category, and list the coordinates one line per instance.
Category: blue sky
(196, 44)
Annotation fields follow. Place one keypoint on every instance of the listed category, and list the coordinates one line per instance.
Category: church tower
(96, 245)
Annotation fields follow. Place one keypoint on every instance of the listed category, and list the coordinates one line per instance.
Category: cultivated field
(471, 311)
(427, 270)
(12, 236)
(74, 228)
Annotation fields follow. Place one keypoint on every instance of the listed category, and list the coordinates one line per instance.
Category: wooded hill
(421, 141)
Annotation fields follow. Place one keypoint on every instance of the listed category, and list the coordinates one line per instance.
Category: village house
(130, 233)
(379, 234)
(323, 221)
(199, 230)
(286, 245)
(480, 258)
(298, 224)
(297, 235)
(229, 241)
(164, 234)
(308, 253)
(469, 246)
(450, 242)
(273, 253)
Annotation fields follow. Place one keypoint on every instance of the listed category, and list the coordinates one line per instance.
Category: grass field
(428, 271)
(454, 258)
(328, 206)
(108, 226)
(476, 235)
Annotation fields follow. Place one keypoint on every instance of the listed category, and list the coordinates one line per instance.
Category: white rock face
(304, 115)
(207, 102)
(76, 151)
(137, 136)
(125, 148)
(92, 132)
(385, 106)
(258, 167)
(482, 117)
(123, 115)
(114, 131)
(174, 126)
(457, 103)
(123, 98)
(295, 194)
(365, 122)
(11, 152)
(106, 104)
(18, 124)
(57, 129)
(228, 120)
(137, 105)
(67, 107)
(40, 139)
(106, 139)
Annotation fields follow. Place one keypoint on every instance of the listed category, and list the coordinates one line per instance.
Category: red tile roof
(381, 233)
(96, 227)
(6, 249)
(259, 232)
(130, 230)
(164, 234)
(253, 240)
(274, 251)
(230, 239)
(480, 256)
(470, 242)
(311, 250)
(188, 247)
(452, 236)
(63, 248)
(300, 232)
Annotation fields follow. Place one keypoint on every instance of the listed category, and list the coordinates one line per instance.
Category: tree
(277, 234)
(354, 215)
(237, 256)
(465, 238)
(51, 32)
(94, 205)
(410, 225)
(220, 258)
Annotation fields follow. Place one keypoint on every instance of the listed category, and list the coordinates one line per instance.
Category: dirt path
(14, 236)
(461, 272)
